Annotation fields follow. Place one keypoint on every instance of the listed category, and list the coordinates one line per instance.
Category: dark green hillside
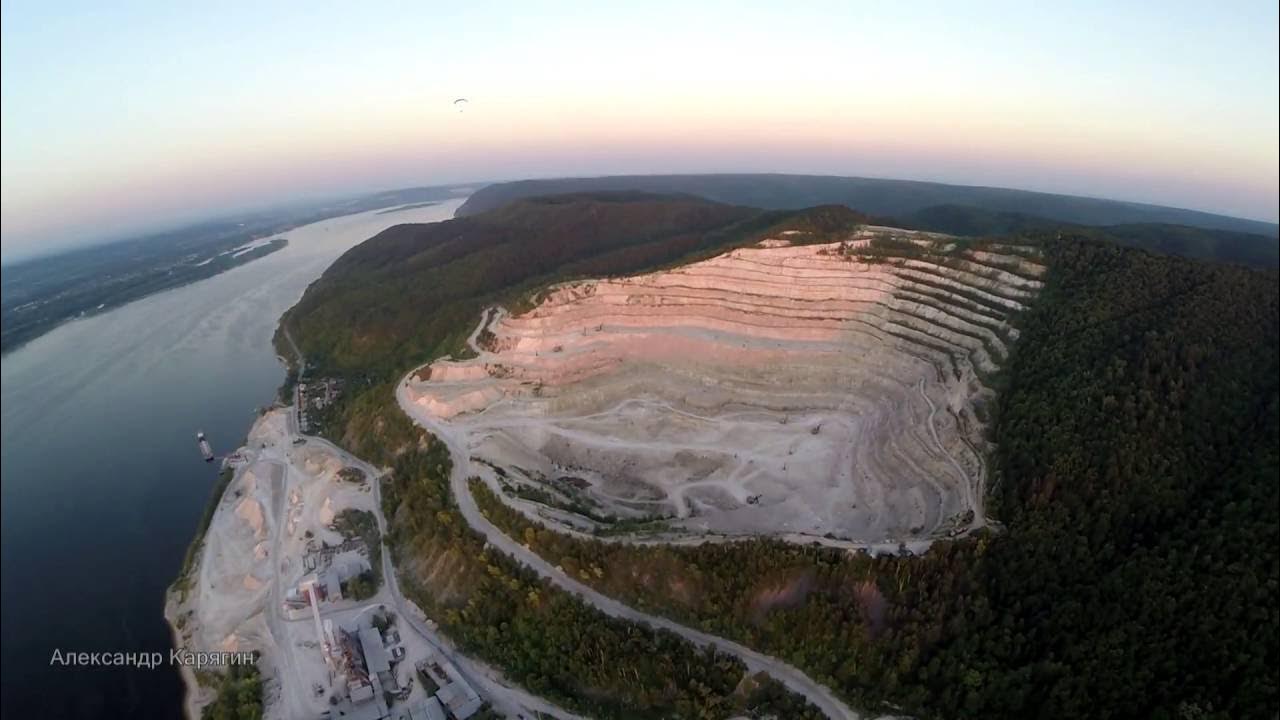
(892, 198)
(1192, 242)
(413, 291)
(1183, 240)
(1139, 462)
(975, 221)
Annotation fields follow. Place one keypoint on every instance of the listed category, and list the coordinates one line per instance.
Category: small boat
(206, 449)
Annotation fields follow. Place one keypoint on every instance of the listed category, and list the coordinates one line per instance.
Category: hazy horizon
(194, 218)
(122, 121)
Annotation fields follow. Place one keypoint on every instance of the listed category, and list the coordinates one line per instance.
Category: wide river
(102, 484)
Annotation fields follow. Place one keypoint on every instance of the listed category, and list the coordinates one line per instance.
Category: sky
(120, 117)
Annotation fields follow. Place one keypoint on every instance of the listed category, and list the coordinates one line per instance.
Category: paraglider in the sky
(460, 104)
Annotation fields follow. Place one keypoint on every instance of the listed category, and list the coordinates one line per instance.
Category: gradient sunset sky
(128, 116)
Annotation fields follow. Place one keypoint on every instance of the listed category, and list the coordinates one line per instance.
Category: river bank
(103, 484)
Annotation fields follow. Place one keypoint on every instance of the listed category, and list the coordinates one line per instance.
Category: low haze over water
(103, 485)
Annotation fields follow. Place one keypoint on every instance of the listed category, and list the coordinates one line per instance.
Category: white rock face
(778, 389)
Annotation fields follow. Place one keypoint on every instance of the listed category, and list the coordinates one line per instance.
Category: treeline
(1255, 247)
(1136, 473)
(239, 695)
(902, 199)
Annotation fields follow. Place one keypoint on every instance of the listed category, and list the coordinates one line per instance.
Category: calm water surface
(102, 484)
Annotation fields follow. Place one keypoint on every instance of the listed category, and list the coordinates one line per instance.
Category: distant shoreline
(400, 208)
(39, 294)
(158, 280)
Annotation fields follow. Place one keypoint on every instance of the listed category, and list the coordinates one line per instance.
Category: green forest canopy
(876, 196)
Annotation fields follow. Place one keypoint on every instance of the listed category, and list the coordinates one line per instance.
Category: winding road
(791, 677)
(511, 701)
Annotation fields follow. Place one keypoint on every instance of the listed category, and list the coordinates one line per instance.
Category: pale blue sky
(128, 115)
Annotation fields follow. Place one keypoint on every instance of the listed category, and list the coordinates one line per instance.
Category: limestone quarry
(804, 389)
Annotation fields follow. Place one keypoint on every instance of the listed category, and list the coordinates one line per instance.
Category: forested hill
(1193, 242)
(1138, 450)
(889, 198)
(413, 291)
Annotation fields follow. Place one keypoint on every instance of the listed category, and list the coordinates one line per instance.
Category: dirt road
(794, 679)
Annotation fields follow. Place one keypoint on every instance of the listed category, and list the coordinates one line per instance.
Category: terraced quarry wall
(827, 390)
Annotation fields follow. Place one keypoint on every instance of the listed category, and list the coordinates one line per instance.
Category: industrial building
(362, 661)
(455, 694)
(460, 699)
(430, 709)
